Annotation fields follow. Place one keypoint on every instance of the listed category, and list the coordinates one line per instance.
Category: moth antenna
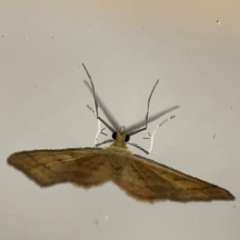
(106, 141)
(114, 123)
(155, 130)
(95, 101)
(137, 146)
(146, 117)
(152, 118)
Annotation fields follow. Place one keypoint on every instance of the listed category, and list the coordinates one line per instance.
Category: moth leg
(155, 130)
(98, 123)
(146, 117)
(99, 130)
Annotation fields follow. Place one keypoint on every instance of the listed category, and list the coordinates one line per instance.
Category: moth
(140, 177)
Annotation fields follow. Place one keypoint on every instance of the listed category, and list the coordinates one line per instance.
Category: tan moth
(142, 178)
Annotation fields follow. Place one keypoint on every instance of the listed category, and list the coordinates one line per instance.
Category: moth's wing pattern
(82, 166)
(145, 179)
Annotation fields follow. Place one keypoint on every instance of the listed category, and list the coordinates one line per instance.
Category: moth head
(121, 135)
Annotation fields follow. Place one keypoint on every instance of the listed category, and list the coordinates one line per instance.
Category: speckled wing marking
(83, 166)
(145, 179)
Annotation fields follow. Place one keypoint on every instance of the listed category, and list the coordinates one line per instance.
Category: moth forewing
(82, 166)
(168, 183)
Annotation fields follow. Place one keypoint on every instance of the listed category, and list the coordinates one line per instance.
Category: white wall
(127, 46)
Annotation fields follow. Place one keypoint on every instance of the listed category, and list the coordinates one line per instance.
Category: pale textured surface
(127, 46)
